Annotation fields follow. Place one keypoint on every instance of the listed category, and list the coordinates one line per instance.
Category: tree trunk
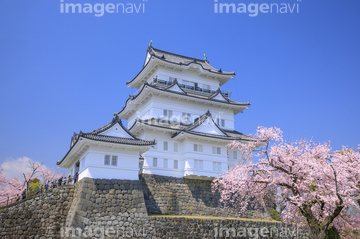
(317, 234)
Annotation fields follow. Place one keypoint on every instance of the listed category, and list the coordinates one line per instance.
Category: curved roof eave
(104, 141)
(243, 105)
(224, 74)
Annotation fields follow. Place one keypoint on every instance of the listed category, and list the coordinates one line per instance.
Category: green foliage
(332, 233)
(274, 214)
(34, 184)
(312, 188)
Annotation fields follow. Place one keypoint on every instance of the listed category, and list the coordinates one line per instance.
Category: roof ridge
(200, 121)
(189, 57)
(217, 92)
(114, 121)
(175, 82)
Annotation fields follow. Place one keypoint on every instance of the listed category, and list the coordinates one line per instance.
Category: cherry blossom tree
(13, 187)
(310, 182)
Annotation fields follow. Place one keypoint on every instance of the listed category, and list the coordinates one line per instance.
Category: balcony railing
(226, 93)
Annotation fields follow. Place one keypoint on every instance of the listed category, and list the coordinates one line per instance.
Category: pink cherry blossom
(310, 182)
(13, 187)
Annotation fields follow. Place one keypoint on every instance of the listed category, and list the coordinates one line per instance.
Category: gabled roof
(178, 128)
(201, 120)
(175, 87)
(199, 123)
(106, 134)
(218, 95)
(114, 121)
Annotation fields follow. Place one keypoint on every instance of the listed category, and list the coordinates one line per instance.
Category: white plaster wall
(155, 106)
(185, 156)
(127, 165)
(144, 111)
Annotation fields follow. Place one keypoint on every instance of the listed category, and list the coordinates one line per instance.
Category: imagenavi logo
(100, 9)
(254, 9)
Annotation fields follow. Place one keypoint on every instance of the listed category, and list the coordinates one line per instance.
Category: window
(176, 147)
(186, 118)
(207, 87)
(166, 146)
(221, 122)
(168, 113)
(154, 162)
(107, 160)
(189, 83)
(114, 160)
(217, 166)
(216, 150)
(166, 163)
(198, 148)
(176, 164)
(235, 154)
(198, 164)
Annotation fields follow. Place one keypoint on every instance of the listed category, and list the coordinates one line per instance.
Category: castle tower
(179, 103)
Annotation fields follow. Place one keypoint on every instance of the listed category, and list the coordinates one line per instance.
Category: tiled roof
(190, 93)
(200, 121)
(94, 135)
(187, 128)
(161, 123)
(112, 139)
(114, 121)
(185, 60)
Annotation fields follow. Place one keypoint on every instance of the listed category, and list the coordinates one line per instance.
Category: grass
(213, 218)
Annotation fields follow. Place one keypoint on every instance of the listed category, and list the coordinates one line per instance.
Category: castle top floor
(166, 67)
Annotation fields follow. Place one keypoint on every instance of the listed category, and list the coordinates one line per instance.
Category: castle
(179, 125)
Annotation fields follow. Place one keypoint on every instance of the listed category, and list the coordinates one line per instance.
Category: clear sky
(61, 73)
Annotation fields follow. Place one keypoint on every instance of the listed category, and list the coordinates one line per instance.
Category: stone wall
(100, 208)
(181, 196)
(165, 227)
(40, 216)
(101, 204)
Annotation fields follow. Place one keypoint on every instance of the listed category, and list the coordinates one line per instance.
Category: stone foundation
(101, 204)
(181, 196)
(40, 216)
(165, 227)
(100, 208)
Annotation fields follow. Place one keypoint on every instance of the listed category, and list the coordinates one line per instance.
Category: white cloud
(16, 167)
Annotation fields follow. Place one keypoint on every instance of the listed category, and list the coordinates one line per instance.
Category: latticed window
(216, 150)
(107, 160)
(198, 148)
(198, 164)
(168, 113)
(221, 122)
(114, 160)
(176, 164)
(217, 166)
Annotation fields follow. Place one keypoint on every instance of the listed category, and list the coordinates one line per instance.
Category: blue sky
(61, 73)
